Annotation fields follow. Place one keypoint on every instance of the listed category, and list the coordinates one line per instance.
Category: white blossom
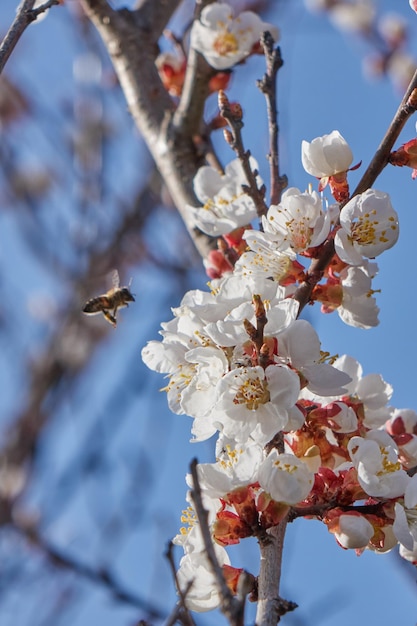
(236, 465)
(285, 477)
(358, 307)
(402, 426)
(299, 345)
(255, 402)
(405, 524)
(375, 458)
(224, 40)
(327, 155)
(298, 222)
(230, 331)
(264, 258)
(203, 595)
(354, 531)
(369, 226)
(226, 206)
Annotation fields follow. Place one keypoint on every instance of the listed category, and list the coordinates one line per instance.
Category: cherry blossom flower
(353, 531)
(203, 595)
(405, 524)
(413, 5)
(253, 402)
(358, 307)
(351, 295)
(376, 460)
(402, 426)
(224, 40)
(328, 158)
(264, 259)
(370, 390)
(285, 477)
(369, 226)
(298, 222)
(299, 345)
(327, 155)
(226, 206)
(393, 28)
(230, 331)
(237, 465)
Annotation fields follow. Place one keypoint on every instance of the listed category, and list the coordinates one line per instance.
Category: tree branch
(100, 577)
(270, 606)
(268, 86)
(25, 15)
(131, 41)
(231, 607)
(407, 107)
(233, 115)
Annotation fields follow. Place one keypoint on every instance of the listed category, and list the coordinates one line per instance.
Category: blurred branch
(70, 348)
(131, 38)
(99, 577)
(25, 15)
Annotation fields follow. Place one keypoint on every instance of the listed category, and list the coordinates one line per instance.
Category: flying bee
(108, 303)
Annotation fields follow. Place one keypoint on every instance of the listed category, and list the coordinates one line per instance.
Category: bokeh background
(89, 453)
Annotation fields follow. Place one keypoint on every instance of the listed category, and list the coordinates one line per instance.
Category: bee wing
(115, 279)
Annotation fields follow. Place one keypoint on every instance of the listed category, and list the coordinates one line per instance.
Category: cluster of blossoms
(299, 434)
(297, 228)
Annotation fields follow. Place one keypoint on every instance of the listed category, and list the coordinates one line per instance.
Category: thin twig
(25, 15)
(233, 115)
(230, 606)
(268, 86)
(44, 7)
(181, 609)
(407, 107)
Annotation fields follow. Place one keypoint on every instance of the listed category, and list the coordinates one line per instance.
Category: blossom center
(252, 392)
(388, 467)
(225, 44)
(231, 456)
(285, 467)
(276, 265)
(363, 231)
(188, 517)
(300, 233)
